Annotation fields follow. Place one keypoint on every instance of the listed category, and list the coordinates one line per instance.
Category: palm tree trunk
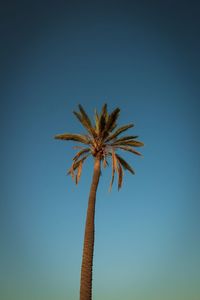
(88, 247)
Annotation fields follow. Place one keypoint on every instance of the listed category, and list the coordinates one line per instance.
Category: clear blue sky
(143, 58)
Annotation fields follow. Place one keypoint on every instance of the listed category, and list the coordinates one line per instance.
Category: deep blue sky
(144, 58)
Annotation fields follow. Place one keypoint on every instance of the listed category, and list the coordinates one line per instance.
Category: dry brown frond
(124, 164)
(129, 149)
(118, 132)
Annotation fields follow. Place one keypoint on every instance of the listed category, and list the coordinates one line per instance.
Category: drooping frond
(75, 166)
(73, 137)
(80, 153)
(114, 167)
(79, 170)
(129, 149)
(120, 175)
(105, 162)
(124, 164)
(118, 132)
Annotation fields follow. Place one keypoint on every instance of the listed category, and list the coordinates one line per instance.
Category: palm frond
(85, 121)
(124, 164)
(118, 132)
(81, 152)
(79, 170)
(126, 138)
(113, 127)
(79, 117)
(114, 168)
(111, 121)
(73, 137)
(120, 175)
(75, 165)
(104, 110)
(129, 149)
(96, 119)
(78, 147)
(128, 143)
(102, 119)
(105, 163)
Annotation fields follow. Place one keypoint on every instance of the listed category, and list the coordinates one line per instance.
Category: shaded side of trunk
(88, 247)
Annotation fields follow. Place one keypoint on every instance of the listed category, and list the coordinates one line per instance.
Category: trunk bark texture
(88, 247)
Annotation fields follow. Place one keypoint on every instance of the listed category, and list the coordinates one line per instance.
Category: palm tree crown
(102, 140)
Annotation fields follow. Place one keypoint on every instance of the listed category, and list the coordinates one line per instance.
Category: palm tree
(102, 141)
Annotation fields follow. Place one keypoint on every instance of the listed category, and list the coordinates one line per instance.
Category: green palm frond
(118, 132)
(73, 137)
(124, 164)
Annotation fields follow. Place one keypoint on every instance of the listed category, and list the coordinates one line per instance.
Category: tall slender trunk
(88, 247)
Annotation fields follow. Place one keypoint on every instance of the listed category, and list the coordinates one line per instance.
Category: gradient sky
(144, 58)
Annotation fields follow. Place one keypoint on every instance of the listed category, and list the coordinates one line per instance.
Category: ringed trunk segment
(88, 247)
